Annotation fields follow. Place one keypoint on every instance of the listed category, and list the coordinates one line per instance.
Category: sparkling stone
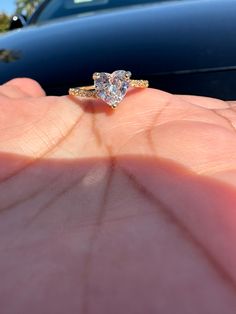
(112, 88)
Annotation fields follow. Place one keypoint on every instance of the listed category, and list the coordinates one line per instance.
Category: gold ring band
(109, 87)
(90, 91)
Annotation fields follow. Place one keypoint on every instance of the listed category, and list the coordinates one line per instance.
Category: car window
(75, 4)
(59, 8)
(52, 9)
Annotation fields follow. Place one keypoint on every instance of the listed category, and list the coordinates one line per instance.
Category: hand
(127, 211)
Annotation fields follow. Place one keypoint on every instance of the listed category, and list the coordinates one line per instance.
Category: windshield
(52, 9)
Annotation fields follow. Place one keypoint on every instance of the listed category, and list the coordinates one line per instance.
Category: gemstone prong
(96, 75)
(128, 74)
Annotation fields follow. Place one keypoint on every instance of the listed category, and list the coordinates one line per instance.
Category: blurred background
(180, 46)
(10, 7)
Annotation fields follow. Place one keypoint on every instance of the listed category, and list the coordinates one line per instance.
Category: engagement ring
(111, 88)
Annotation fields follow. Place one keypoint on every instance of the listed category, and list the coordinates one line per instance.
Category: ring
(111, 88)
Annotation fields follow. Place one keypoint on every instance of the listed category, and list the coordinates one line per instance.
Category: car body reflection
(7, 55)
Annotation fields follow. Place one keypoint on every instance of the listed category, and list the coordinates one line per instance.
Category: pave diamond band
(111, 88)
(139, 83)
(85, 91)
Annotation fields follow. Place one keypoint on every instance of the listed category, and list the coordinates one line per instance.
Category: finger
(205, 102)
(12, 92)
(22, 87)
(232, 103)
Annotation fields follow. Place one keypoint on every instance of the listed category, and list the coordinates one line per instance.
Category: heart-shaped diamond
(112, 88)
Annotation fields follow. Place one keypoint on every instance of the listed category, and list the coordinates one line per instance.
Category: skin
(124, 211)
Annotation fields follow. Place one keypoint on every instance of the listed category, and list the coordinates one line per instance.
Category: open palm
(125, 211)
